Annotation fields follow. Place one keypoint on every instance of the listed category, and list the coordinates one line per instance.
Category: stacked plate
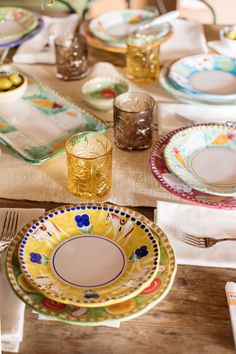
(17, 25)
(112, 28)
(90, 264)
(198, 164)
(204, 79)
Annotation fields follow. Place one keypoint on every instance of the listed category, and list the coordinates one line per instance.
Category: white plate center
(214, 82)
(215, 166)
(88, 261)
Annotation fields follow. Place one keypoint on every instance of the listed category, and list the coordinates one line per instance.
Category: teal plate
(210, 76)
(45, 120)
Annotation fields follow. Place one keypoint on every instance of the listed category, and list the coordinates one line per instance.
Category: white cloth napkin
(11, 308)
(171, 115)
(199, 221)
(230, 289)
(221, 49)
(40, 49)
(188, 39)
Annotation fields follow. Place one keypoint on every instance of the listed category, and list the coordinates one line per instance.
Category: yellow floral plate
(89, 255)
(83, 316)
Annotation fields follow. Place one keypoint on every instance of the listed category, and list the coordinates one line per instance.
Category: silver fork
(202, 242)
(9, 228)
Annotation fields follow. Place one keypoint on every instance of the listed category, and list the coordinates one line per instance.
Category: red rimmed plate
(177, 187)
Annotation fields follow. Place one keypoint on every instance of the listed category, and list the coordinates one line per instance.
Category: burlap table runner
(133, 183)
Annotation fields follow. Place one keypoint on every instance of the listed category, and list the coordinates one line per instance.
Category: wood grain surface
(192, 319)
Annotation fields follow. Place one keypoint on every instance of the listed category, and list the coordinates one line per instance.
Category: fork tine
(5, 226)
(190, 240)
(12, 225)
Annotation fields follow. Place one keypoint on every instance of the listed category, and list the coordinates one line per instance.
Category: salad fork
(9, 229)
(202, 242)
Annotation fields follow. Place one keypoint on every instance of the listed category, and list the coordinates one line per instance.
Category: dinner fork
(202, 242)
(9, 228)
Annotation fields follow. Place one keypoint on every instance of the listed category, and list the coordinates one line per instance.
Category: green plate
(123, 311)
(45, 120)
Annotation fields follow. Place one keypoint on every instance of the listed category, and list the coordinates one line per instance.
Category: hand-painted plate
(15, 23)
(101, 91)
(204, 158)
(90, 255)
(187, 97)
(26, 37)
(211, 76)
(45, 121)
(115, 26)
(175, 186)
(86, 316)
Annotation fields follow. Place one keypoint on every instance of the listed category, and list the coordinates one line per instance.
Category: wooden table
(193, 318)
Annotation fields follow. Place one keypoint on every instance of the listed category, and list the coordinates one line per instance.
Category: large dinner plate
(204, 157)
(187, 97)
(89, 255)
(87, 316)
(211, 76)
(175, 186)
(15, 23)
(114, 27)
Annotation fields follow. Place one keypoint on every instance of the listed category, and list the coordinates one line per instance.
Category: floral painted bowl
(205, 75)
(89, 255)
(204, 158)
(100, 92)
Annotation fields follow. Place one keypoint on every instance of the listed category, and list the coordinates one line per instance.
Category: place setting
(124, 272)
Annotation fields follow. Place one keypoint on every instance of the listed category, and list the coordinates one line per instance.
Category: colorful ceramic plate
(204, 157)
(15, 23)
(101, 91)
(45, 121)
(114, 27)
(210, 75)
(89, 255)
(76, 315)
(175, 186)
(26, 37)
(188, 97)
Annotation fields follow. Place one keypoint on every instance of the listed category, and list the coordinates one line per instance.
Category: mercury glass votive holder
(133, 118)
(71, 57)
(89, 163)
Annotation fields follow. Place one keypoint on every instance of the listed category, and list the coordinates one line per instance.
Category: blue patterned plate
(204, 157)
(209, 76)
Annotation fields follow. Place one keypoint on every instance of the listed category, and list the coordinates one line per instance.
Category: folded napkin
(172, 116)
(218, 47)
(188, 38)
(230, 289)
(40, 49)
(11, 308)
(199, 221)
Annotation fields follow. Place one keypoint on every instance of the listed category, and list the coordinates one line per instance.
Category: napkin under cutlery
(199, 221)
(40, 49)
(11, 308)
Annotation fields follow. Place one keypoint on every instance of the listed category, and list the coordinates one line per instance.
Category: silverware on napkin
(9, 229)
(198, 241)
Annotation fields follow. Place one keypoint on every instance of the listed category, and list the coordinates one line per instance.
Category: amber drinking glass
(71, 57)
(89, 162)
(133, 117)
(143, 56)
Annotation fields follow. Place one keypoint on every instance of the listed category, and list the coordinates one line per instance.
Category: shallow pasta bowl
(210, 76)
(89, 255)
(204, 157)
